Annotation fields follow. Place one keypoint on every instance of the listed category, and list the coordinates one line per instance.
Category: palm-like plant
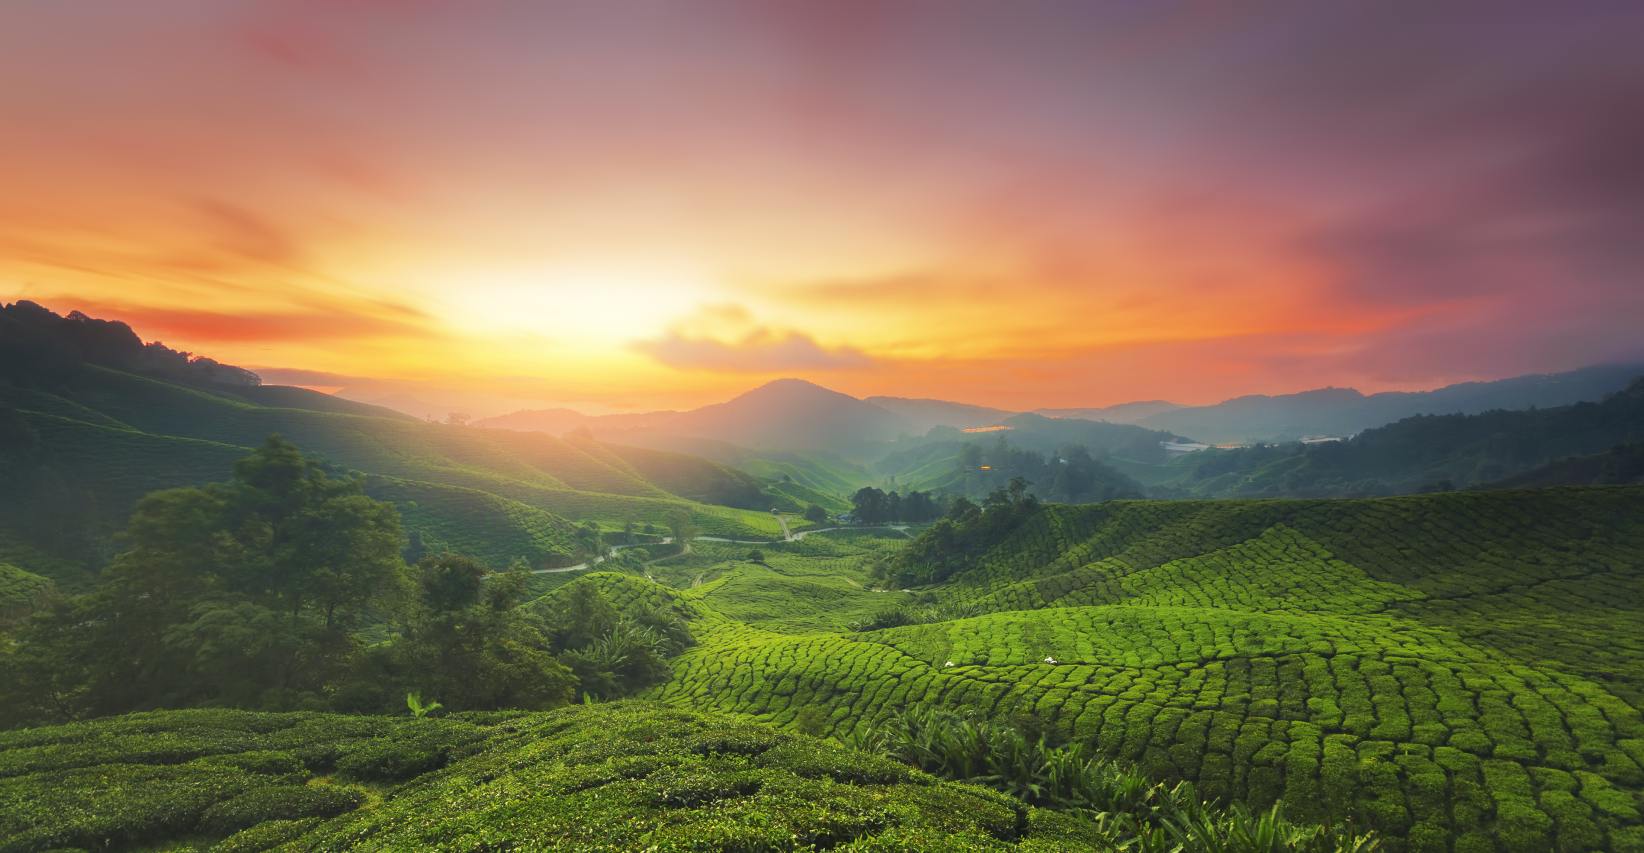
(413, 700)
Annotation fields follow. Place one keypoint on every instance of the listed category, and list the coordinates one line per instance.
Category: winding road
(787, 536)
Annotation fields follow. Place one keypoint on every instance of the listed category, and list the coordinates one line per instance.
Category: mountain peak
(792, 389)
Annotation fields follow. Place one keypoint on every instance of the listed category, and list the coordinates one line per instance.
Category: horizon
(401, 400)
(648, 207)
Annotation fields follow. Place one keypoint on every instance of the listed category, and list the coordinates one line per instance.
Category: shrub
(279, 802)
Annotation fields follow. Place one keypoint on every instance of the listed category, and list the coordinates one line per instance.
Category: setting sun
(792, 425)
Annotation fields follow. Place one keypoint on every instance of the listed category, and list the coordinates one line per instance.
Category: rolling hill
(1460, 671)
(81, 441)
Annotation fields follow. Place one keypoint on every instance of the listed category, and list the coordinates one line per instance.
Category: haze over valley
(799, 425)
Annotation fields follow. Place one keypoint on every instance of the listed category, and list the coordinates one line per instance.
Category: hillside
(1123, 413)
(925, 414)
(1344, 411)
(1421, 453)
(784, 415)
(608, 777)
(1619, 465)
(1456, 670)
(97, 439)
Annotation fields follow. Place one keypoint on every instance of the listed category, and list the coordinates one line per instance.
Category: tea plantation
(623, 776)
(88, 447)
(1459, 671)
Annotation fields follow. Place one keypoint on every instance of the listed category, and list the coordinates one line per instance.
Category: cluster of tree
(954, 542)
(874, 506)
(286, 588)
(613, 653)
(1069, 475)
(41, 347)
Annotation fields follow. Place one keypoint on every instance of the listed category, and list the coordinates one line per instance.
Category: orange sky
(644, 205)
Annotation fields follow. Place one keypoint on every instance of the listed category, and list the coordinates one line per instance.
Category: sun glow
(598, 305)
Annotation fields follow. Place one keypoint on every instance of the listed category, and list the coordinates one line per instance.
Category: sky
(635, 205)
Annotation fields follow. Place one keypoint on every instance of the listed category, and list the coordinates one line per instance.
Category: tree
(241, 593)
(816, 514)
(868, 505)
(681, 527)
(591, 540)
(470, 644)
(756, 556)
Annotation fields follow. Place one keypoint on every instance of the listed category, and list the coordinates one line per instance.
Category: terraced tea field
(625, 776)
(1460, 671)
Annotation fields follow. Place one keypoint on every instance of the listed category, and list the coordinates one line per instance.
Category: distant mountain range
(1344, 411)
(1582, 443)
(792, 414)
(788, 414)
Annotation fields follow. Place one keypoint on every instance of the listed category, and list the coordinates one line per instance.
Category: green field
(1460, 671)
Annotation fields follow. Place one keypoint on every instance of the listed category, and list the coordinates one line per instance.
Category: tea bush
(1451, 669)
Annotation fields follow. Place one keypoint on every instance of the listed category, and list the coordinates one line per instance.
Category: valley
(1076, 634)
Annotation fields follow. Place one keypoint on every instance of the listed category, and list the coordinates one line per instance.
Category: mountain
(784, 415)
(1421, 453)
(791, 414)
(1344, 411)
(81, 442)
(924, 414)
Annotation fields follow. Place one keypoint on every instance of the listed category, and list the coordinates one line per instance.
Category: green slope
(624, 776)
(98, 440)
(1424, 453)
(1462, 671)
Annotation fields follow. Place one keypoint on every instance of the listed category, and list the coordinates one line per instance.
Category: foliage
(609, 776)
(240, 593)
(614, 650)
(960, 745)
(953, 542)
(21, 592)
(873, 506)
(1422, 453)
(261, 593)
(1456, 670)
(418, 708)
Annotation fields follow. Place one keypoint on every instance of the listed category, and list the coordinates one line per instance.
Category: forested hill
(1344, 411)
(80, 442)
(1424, 453)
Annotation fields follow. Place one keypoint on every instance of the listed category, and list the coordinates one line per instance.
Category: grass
(1455, 670)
